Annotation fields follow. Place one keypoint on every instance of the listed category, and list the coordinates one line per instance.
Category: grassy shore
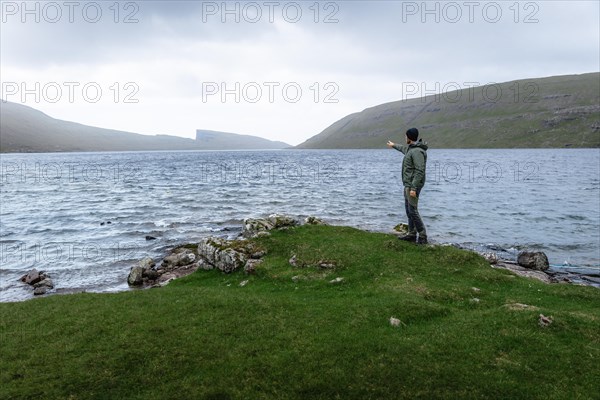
(205, 336)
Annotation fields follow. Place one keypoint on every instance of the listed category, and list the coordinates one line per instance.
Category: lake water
(55, 208)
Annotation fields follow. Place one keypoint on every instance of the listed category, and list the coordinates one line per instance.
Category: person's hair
(412, 134)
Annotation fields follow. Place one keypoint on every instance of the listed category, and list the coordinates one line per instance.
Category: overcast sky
(277, 69)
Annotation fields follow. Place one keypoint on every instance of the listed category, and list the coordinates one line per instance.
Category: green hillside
(560, 111)
(25, 130)
(463, 330)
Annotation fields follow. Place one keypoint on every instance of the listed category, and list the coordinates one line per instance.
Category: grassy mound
(290, 333)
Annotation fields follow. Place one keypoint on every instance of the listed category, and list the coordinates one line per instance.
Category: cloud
(368, 50)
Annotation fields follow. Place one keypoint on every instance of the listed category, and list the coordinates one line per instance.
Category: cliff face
(214, 140)
(27, 130)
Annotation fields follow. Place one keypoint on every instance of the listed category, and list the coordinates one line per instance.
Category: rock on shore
(522, 271)
(254, 227)
(535, 265)
(536, 260)
(180, 262)
(230, 255)
(39, 280)
(213, 253)
(400, 229)
(529, 265)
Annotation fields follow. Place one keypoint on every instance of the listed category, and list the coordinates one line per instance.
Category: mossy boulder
(535, 260)
(254, 227)
(401, 229)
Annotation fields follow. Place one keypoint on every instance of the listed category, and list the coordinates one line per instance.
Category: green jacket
(413, 164)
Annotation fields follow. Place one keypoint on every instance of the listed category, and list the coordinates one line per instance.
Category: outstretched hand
(390, 143)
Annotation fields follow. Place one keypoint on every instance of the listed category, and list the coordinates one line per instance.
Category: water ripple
(183, 196)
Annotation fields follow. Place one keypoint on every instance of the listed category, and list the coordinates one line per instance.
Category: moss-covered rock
(254, 227)
(311, 220)
(401, 229)
(230, 255)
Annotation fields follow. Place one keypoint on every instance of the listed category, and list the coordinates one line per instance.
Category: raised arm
(402, 149)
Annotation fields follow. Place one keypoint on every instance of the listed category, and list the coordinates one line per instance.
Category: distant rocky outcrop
(214, 140)
(24, 129)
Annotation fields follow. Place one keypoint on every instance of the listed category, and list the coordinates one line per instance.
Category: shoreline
(288, 149)
(552, 276)
(326, 304)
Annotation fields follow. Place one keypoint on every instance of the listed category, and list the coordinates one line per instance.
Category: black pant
(415, 223)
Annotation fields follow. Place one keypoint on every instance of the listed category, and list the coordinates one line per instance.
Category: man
(413, 179)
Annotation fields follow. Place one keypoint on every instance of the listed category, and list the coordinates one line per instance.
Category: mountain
(25, 129)
(213, 140)
(556, 111)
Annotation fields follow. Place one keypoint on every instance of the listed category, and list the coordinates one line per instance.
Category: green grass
(476, 121)
(204, 336)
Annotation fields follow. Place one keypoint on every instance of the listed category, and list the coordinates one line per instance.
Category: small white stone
(337, 280)
(243, 283)
(490, 257)
(293, 261)
(545, 321)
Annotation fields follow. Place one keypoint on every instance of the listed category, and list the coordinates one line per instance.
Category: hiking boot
(422, 240)
(408, 238)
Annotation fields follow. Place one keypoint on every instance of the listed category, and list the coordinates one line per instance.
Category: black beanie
(412, 134)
